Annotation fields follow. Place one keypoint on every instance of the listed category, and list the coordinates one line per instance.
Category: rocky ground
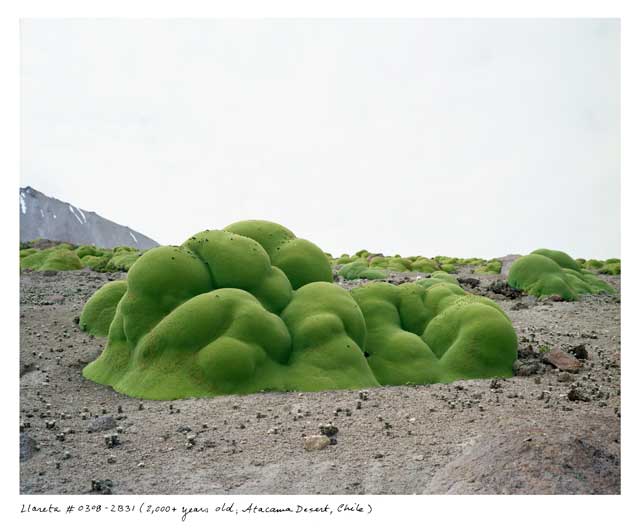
(546, 430)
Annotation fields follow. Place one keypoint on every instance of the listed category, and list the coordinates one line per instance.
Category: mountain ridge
(42, 216)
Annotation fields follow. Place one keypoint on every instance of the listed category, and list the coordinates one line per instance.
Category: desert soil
(543, 431)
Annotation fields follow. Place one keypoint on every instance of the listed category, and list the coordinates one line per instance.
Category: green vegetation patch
(59, 258)
(543, 273)
(252, 308)
(100, 309)
(360, 269)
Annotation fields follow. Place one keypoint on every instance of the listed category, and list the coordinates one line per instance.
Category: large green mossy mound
(544, 273)
(252, 308)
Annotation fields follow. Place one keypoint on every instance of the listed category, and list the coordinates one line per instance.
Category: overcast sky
(436, 137)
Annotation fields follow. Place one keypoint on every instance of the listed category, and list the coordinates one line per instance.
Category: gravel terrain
(543, 431)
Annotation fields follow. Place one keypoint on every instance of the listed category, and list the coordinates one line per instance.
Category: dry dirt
(544, 432)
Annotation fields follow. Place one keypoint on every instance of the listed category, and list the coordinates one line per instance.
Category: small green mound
(424, 265)
(438, 277)
(123, 259)
(611, 268)
(360, 270)
(606, 267)
(58, 258)
(540, 275)
(100, 309)
(493, 267)
(83, 251)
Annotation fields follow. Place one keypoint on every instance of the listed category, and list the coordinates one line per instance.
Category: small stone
(316, 442)
(579, 351)
(102, 486)
(576, 394)
(565, 377)
(328, 430)
(66, 455)
(101, 423)
(141, 464)
(562, 360)
(111, 440)
(111, 459)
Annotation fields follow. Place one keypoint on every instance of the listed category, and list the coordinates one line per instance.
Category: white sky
(435, 137)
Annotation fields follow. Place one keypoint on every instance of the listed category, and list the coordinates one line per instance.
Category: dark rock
(528, 352)
(49, 273)
(555, 298)
(28, 446)
(469, 281)
(501, 287)
(111, 440)
(579, 351)
(101, 423)
(103, 487)
(526, 368)
(577, 394)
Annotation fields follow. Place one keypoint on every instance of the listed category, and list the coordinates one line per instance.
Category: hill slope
(44, 217)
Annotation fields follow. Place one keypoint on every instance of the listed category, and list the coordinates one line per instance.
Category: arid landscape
(546, 430)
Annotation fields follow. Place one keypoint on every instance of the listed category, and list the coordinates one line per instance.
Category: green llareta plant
(360, 270)
(545, 272)
(252, 307)
(58, 258)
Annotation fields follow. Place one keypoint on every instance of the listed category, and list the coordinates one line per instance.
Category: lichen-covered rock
(252, 308)
(545, 273)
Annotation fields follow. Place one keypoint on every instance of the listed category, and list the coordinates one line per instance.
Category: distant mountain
(49, 218)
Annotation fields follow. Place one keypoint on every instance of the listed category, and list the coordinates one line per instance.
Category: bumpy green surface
(63, 257)
(100, 309)
(360, 269)
(59, 258)
(492, 267)
(607, 267)
(438, 277)
(559, 257)
(218, 316)
(436, 334)
(545, 272)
